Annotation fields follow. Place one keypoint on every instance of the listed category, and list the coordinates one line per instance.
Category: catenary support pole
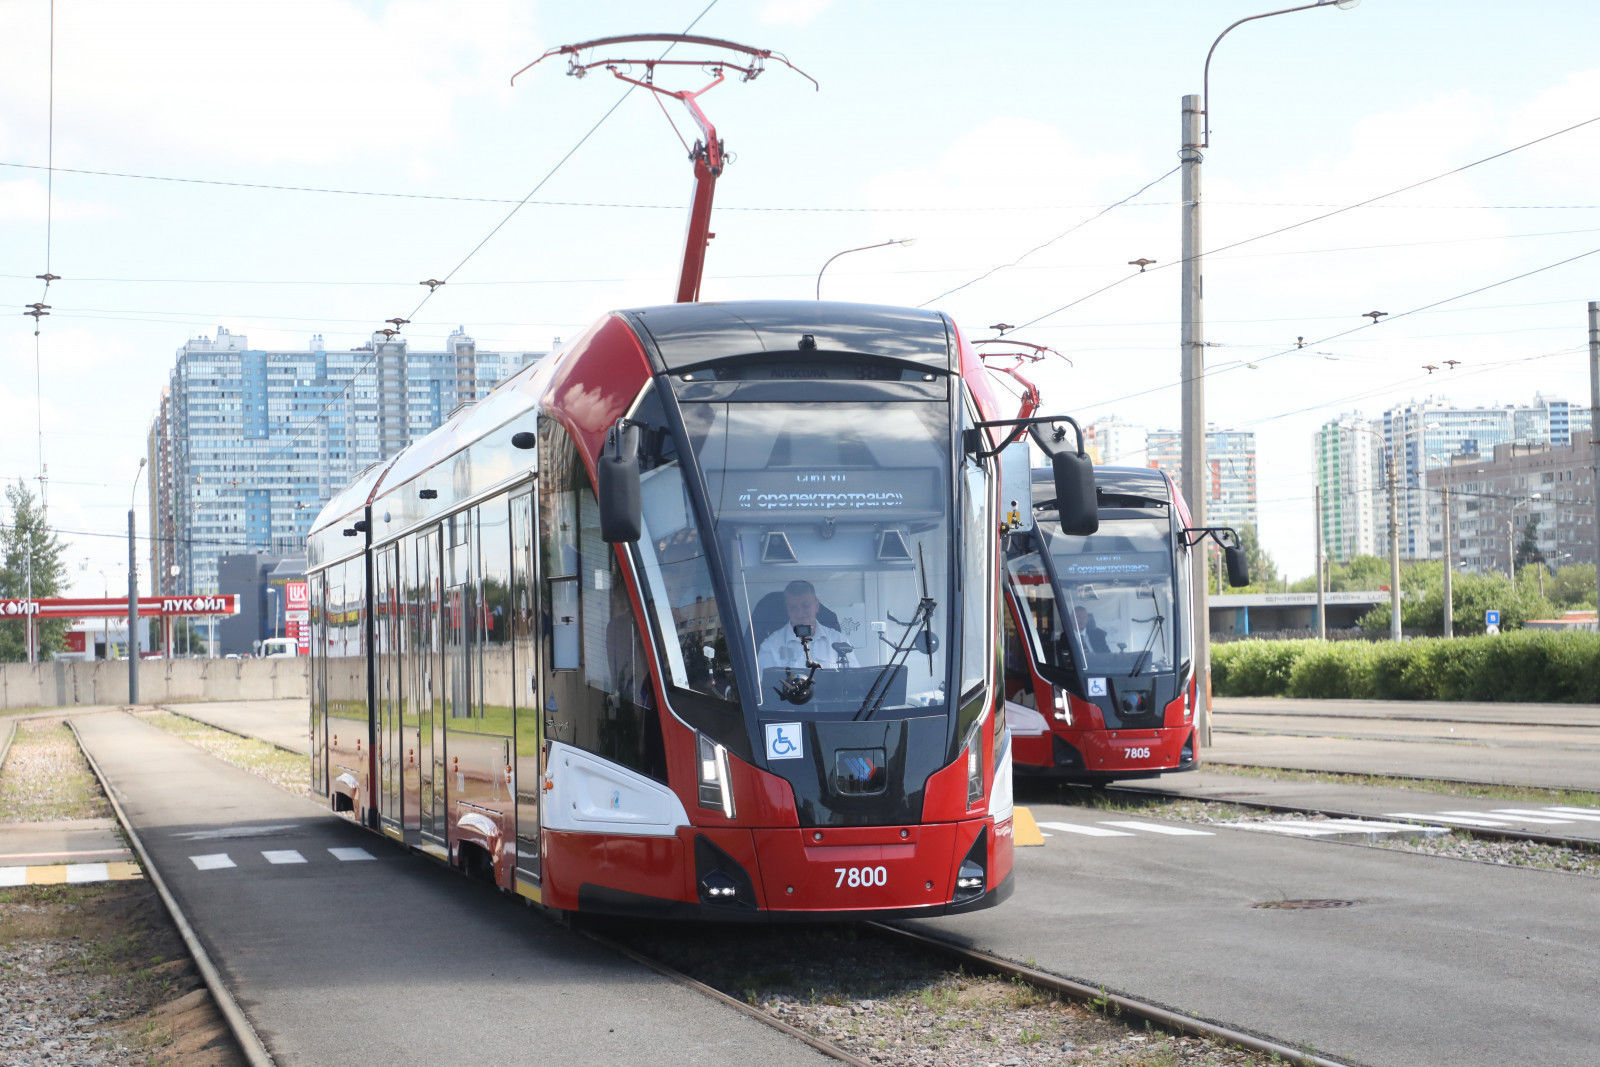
(1395, 633)
(133, 615)
(1191, 373)
(1594, 430)
(1449, 567)
(1322, 602)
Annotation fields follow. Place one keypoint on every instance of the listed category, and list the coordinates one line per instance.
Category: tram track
(249, 1044)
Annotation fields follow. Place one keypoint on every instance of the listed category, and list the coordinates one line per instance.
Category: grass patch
(45, 777)
(289, 771)
(1527, 794)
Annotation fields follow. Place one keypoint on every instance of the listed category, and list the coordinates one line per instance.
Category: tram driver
(1092, 637)
(783, 647)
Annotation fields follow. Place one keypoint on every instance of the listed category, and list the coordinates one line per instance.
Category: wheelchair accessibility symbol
(783, 741)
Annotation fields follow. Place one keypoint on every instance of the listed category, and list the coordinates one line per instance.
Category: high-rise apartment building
(1230, 472)
(1350, 483)
(1498, 498)
(1421, 438)
(1113, 442)
(250, 443)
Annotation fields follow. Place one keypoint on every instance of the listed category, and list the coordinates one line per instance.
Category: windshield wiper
(1157, 630)
(916, 627)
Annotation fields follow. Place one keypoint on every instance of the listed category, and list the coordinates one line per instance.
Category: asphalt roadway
(340, 958)
(1550, 745)
(1429, 960)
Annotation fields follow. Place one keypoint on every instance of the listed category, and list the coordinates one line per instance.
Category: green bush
(1527, 666)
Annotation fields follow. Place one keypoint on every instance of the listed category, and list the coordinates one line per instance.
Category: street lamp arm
(1205, 79)
(863, 248)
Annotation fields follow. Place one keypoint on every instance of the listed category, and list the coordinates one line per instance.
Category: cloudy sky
(334, 153)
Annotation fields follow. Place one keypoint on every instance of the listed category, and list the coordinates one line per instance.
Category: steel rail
(250, 1044)
(1154, 1014)
(822, 1046)
(1488, 833)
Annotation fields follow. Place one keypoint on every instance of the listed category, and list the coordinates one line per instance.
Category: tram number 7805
(1136, 753)
(857, 877)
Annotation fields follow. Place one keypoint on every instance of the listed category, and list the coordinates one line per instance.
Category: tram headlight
(716, 785)
(1063, 707)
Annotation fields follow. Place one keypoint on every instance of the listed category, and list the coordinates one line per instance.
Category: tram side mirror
(1075, 497)
(1238, 566)
(617, 491)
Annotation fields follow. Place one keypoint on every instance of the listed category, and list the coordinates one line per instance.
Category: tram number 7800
(857, 877)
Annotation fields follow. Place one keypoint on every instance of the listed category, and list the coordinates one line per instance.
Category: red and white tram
(1099, 631)
(696, 618)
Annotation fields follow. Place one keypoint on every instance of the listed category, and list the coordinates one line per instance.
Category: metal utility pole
(1322, 603)
(1191, 372)
(1594, 429)
(1394, 553)
(133, 595)
(1449, 566)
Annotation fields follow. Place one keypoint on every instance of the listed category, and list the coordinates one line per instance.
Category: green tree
(1422, 610)
(32, 562)
(1528, 550)
(1572, 587)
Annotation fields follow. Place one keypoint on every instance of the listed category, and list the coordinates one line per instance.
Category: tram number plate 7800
(857, 877)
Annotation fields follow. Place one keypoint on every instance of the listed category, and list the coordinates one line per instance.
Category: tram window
(564, 623)
(494, 615)
(976, 562)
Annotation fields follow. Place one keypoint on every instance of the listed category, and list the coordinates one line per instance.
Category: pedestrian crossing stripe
(221, 861)
(69, 873)
(1503, 817)
(1299, 827)
(1125, 828)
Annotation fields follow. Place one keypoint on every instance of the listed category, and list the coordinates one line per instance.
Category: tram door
(458, 624)
(529, 732)
(387, 646)
(427, 703)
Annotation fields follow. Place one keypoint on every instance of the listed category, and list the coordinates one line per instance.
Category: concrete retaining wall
(52, 685)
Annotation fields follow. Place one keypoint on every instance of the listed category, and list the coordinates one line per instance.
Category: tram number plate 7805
(857, 877)
(1136, 753)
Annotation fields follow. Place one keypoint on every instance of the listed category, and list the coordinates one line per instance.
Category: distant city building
(1230, 472)
(1494, 497)
(248, 444)
(1116, 443)
(1350, 482)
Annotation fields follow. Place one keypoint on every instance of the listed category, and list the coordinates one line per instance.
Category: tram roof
(686, 335)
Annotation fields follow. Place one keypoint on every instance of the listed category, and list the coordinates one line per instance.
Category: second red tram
(697, 618)
(1099, 631)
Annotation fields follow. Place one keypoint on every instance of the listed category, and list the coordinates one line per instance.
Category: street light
(133, 595)
(1191, 364)
(272, 612)
(1395, 633)
(907, 241)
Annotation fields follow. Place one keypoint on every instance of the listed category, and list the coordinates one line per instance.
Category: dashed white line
(214, 862)
(1156, 828)
(78, 873)
(1087, 831)
(283, 855)
(1533, 816)
(350, 855)
(1446, 817)
(1586, 814)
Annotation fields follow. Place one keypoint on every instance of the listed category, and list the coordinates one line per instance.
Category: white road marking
(1533, 816)
(1087, 831)
(1465, 820)
(350, 855)
(1586, 814)
(1296, 829)
(87, 872)
(284, 855)
(10, 876)
(215, 862)
(1156, 828)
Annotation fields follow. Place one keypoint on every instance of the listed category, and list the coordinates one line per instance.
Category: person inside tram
(1092, 636)
(783, 647)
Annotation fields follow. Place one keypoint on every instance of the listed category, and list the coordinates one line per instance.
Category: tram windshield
(1102, 604)
(833, 522)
